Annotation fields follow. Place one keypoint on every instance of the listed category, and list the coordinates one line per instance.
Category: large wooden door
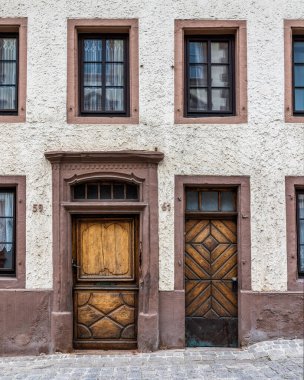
(210, 282)
(105, 282)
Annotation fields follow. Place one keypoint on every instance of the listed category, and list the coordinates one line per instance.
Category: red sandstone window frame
(17, 280)
(19, 26)
(292, 185)
(76, 26)
(237, 28)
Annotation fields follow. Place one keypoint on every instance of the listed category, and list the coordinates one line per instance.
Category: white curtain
(6, 220)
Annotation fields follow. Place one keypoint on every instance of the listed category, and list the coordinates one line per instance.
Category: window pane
(6, 230)
(301, 205)
(114, 50)
(298, 52)
(8, 48)
(219, 76)
(299, 99)
(92, 191)
(197, 52)
(209, 201)
(198, 75)
(6, 256)
(79, 192)
(114, 99)
(118, 191)
(92, 74)
(192, 200)
(105, 192)
(7, 73)
(7, 204)
(227, 201)
(7, 98)
(220, 99)
(198, 99)
(131, 192)
(301, 259)
(92, 50)
(92, 99)
(299, 75)
(219, 52)
(114, 74)
(301, 231)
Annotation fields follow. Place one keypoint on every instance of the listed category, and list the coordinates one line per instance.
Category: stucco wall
(266, 148)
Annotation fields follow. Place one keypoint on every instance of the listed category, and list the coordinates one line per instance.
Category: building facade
(152, 176)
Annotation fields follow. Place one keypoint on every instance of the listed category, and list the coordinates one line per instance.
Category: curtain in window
(6, 229)
(301, 232)
(8, 70)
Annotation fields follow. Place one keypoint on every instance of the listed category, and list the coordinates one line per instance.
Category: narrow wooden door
(210, 282)
(105, 282)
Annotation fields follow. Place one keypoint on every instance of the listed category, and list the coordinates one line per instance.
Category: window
(105, 191)
(12, 69)
(210, 200)
(298, 75)
(294, 70)
(7, 231)
(300, 230)
(104, 74)
(102, 71)
(210, 79)
(209, 73)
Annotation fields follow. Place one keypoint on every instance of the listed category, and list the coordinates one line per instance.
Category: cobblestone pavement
(280, 359)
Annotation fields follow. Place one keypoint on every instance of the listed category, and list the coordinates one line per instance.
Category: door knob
(74, 265)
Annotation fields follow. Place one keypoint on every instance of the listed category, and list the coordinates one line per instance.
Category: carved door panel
(105, 282)
(210, 282)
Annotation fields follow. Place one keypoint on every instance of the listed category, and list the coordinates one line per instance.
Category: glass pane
(6, 256)
(219, 52)
(299, 100)
(79, 192)
(8, 48)
(197, 52)
(114, 74)
(301, 205)
(301, 231)
(105, 192)
(131, 192)
(298, 52)
(7, 204)
(114, 99)
(198, 75)
(92, 50)
(7, 73)
(118, 191)
(220, 99)
(6, 230)
(227, 201)
(92, 74)
(92, 99)
(7, 98)
(299, 76)
(301, 259)
(219, 76)
(209, 201)
(92, 191)
(114, 50)
(192, 200)
(198, 99)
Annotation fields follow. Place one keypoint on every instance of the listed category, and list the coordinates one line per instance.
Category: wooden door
(105, 282)
(210, 282)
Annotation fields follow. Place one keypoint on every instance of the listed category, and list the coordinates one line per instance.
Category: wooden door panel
(103, 315)
(105, 250)
(210, 265)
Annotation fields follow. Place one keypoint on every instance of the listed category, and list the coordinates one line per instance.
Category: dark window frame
(231, 64)
(12, 35)
(296, 38)
(298, 192)
(103, 37)
(12, 271)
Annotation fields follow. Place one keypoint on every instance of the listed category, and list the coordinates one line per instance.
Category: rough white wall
(266, 148)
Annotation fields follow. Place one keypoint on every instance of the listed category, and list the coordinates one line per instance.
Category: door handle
(234, 283)
(74, 265)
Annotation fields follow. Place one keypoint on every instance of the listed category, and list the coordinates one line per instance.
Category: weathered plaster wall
(266, 148)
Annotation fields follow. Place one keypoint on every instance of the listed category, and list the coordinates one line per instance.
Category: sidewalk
(281, 359)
